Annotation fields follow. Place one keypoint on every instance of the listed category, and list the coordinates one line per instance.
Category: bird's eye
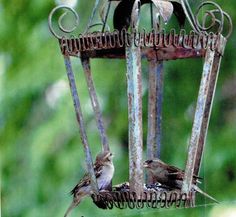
(149, 161)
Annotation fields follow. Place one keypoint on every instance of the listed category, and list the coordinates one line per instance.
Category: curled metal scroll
(219, 19)
(217, 23)
(60, 20)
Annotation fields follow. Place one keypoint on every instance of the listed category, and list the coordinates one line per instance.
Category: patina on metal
(134, 93)
(205, 40)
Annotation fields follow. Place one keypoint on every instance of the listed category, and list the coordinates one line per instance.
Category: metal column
(134, 80)
(155, 98)
(202, 115)
(79, 116)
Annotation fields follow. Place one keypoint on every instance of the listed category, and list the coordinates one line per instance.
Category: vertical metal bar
(151, 11)
(159, 75)
(206, 117)
(135, 117)
(79, 116)
(202, 114)
(152, 111)
(94, 101)
(155, 98)
(134, 91)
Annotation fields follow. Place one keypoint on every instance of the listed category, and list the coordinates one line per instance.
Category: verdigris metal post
(94, 101)
(134, 80)
(79, 116)
(202, 113)
(154, 111)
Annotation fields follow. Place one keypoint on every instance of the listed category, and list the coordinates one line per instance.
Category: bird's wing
(175, 172)
(85, 181)
(98, 169)
(173, 169)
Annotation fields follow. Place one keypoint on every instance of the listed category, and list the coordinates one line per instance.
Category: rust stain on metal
(202, 115)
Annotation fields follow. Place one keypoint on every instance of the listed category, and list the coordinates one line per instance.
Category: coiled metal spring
(152, 199)
(153, 39)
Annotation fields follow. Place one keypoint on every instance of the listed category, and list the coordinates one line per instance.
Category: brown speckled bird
(171, 176)
(104, 171)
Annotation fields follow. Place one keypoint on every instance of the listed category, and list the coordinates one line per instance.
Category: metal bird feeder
(126, 41)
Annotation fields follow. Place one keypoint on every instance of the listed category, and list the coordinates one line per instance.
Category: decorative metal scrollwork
(60, 20)
(217, 23)
(217, 16)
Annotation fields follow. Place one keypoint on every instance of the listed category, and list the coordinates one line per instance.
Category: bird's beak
(108, 155)
(146, 165)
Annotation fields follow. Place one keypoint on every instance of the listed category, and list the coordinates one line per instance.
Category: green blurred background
(41, 151)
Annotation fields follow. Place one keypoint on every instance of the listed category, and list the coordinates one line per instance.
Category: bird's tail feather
(196, 188)
(72, 206)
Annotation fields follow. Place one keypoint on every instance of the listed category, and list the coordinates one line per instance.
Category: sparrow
(122, 13)
(104, 170)
(171, 176)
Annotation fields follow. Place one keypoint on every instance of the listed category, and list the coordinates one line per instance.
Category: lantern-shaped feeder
(126, 41)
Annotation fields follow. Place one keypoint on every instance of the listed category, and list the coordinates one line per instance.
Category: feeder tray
(156, 46)
(152, 196)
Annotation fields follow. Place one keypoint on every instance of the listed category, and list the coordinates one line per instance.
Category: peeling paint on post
(206, 117)
(134, 92)
(79, 116)
(95, 104)
(154, 111)
(201, 119)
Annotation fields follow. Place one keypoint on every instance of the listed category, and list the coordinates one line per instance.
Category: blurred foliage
(41, 152)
